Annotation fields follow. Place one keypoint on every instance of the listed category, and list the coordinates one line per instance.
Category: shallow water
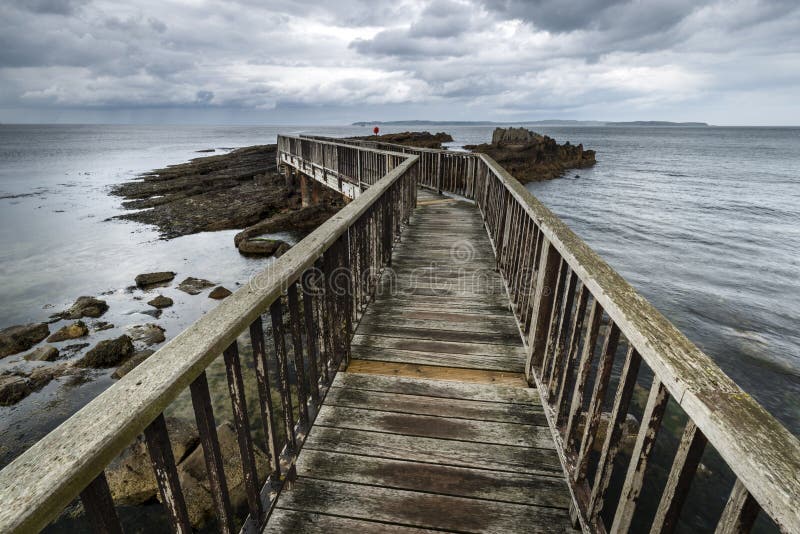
(703, 221)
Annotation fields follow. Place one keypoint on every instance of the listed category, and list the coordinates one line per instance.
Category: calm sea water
(705, 222)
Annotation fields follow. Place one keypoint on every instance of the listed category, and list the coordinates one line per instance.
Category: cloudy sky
(338, 61)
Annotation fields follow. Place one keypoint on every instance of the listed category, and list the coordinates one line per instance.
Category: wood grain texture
(408, 370)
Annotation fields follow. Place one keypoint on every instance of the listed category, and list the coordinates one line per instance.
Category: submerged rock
(259, 246)
(530, 157)
(130, 476)
(85, 307)
(99, 326)
(15, 339)
(150, 279)
(194, 286)
(70, 331)
(45, 353)
(71, 350)
(132, 362)
(149, 333)
(107, 353)
(219, 293)
(161, 302)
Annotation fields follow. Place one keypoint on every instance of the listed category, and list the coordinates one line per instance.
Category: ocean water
(704, 222)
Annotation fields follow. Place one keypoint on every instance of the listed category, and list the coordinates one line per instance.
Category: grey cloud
(49, 7)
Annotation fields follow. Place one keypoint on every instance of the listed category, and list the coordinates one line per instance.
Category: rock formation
(531, 157)
(415, 139)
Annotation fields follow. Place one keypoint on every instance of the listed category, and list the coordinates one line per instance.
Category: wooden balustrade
(310, 297)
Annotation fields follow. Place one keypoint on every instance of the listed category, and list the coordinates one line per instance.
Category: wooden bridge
(459, 362)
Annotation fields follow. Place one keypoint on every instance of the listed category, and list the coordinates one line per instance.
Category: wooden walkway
(432, 427)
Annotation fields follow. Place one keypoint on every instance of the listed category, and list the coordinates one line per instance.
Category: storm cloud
(727, 62)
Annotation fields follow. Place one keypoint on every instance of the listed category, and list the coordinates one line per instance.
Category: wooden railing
(312, 295)
(578, 318)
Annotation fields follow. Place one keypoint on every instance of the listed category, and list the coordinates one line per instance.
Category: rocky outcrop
(147, 334)
(108, 353)
(84, 307)
(17, 384)
(16, 339)
(416, 139)
(45, 353)
(146, 280)
(531, 157)
(194, 286)
(260, 246)
(220, 192)
(161, 302)
(71, 331)
(303, 219)
(219, 293)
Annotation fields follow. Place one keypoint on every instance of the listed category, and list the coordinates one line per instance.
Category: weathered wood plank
(439, 388)
(421, 509)
(432, 478)
(435, 427)
(436, 406)
(434, 451)
(498, 330)
(294, 522)
(440, 347)
(740, 511)
(472, 376)
(431, 334)
(466, 361)
(683, 469)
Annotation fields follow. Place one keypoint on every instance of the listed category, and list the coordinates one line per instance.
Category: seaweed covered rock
(415, 139)
(532, 157)
(15, 339)
(108, 353)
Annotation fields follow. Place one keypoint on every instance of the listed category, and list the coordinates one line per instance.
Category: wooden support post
(305, 194)
(158, 445)
(99, 506)
(549, 261)
(315, 190)
(740, 512)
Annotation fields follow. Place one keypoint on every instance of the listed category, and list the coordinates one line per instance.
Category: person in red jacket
(376, 130)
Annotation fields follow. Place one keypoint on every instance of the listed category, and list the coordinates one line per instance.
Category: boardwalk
(396, 446)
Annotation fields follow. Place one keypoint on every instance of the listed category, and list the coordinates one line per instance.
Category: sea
(703, 221)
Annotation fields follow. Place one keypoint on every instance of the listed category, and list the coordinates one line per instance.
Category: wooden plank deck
(433, 427)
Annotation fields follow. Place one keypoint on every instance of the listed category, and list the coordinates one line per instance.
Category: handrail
(41, 482)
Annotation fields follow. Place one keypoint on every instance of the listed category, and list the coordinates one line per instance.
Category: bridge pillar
(315, 189)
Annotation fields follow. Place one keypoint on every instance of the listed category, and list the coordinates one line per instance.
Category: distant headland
(551, 122)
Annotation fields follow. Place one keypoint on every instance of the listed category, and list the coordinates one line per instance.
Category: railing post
(549, 260)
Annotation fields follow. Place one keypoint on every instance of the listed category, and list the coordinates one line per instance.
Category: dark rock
(99, 326)
(194, 286)
(70, 331)
(529, 156)
(15, 339)
(155, 313)
(149, 334)
(206, 150)
(219, 293)
(259, 246)
(151, 279)
(45, 353)
(13, 388)
(130, 476)
(132, 362)
(85, 307)
(107, 353)
(161, 302)
(194, 478)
